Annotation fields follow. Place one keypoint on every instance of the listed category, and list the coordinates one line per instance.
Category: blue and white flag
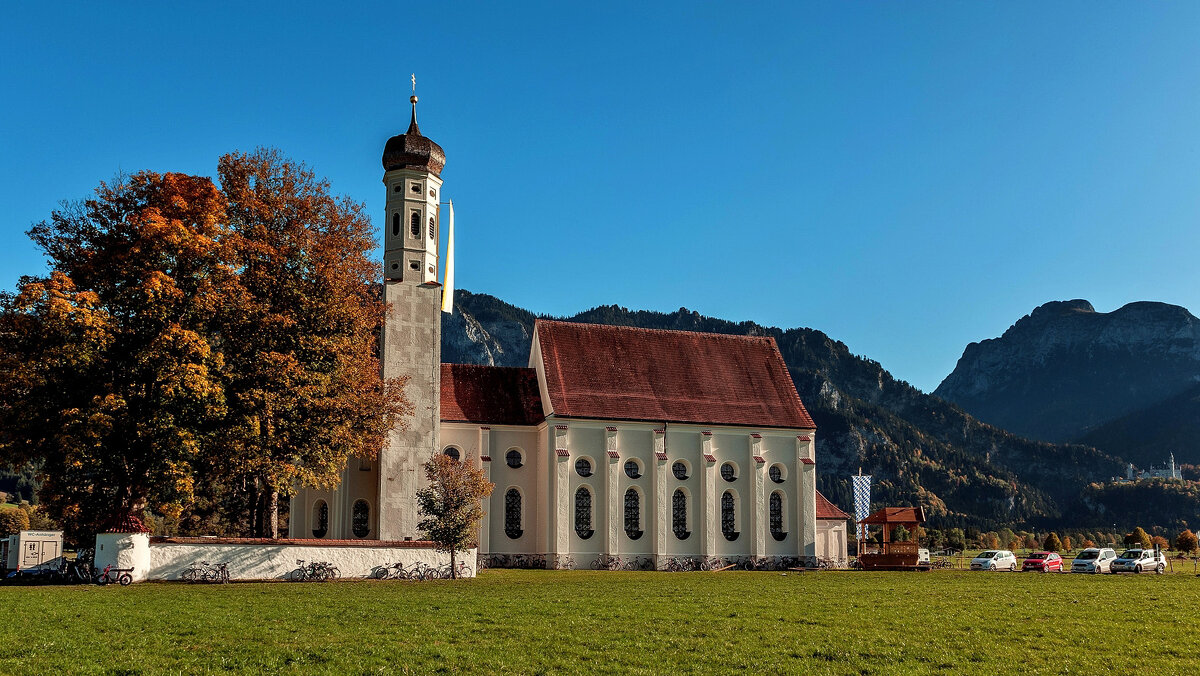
(862, 500)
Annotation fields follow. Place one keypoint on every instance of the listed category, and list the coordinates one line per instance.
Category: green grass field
(580, 621)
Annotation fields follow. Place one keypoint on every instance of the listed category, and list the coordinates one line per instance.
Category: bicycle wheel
(125, 579)
(333, 573)
(188, 575)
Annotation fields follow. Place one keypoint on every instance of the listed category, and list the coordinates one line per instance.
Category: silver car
(1094, 560)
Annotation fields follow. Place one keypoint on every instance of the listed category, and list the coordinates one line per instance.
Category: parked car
(1139, 561)
(1094, 560)
(1045, 562)
(995, 560)
(923, 557)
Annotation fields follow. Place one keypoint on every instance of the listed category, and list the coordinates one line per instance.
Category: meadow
(608, 622)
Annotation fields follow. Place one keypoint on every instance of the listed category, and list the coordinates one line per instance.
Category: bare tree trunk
(273, 514)
(255, 529)
(453, 570)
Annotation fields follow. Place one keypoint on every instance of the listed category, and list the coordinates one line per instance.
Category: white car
(1094, 560)
(995, 560)
(1139, 561)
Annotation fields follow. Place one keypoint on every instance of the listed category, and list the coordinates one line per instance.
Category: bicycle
(112, 574)
(315, 571)
(606, 562)
(206, 572)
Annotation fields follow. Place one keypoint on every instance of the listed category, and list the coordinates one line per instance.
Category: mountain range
(1126, 381)
(920, 448)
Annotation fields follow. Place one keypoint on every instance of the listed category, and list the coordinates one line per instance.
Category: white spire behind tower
(448, 287)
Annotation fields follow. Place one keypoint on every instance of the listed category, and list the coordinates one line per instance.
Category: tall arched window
(360, 519)
(777, 517)
(679, 514)
(512, 513)
(583, 513)
(633, 514)
(396, 224)
(320, 519)
(728, 516)
(414, 224)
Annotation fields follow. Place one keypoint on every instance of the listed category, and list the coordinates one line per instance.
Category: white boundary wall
(167, 558)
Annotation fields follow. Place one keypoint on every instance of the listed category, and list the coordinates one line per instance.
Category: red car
(1044, 561)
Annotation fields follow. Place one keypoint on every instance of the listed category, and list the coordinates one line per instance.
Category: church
(614, 443)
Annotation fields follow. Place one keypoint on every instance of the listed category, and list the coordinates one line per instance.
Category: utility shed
(31, 548)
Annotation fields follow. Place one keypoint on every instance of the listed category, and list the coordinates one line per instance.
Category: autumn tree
(1160, 542)
(1186, 542)
(1030, 541)
(451, 504)
(301, 334)
(1138, 538)
(13, 521)
(1066, 543)
(109, 379)
(1052, 543)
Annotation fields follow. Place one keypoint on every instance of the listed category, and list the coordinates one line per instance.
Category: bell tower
(412, 334)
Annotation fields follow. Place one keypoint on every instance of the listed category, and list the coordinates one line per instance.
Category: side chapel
(614, 440)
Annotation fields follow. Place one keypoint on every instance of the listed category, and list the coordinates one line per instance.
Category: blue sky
(907, 177)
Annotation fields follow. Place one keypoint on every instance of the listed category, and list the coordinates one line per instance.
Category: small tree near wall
(451, 505)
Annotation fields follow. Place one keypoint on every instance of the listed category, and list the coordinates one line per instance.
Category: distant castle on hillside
(1168, 471)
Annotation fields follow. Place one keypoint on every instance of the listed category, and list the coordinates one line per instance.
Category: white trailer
(31, 548)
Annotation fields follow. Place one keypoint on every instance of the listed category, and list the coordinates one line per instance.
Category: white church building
(633, 443)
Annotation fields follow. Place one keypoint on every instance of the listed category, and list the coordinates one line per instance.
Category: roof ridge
(736, 336)
(486, 366)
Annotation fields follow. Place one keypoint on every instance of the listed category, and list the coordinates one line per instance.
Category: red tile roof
(490, 394)
(890, 515)
(623, 373)
(828, 510)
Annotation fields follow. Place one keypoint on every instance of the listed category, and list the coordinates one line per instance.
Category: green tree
(1138, 538)
(1186, 542)
(900, 534)
(956, 539)
(1031, 541)
(1052, 543)
(451, 504)
(13, 521)
(109, 378)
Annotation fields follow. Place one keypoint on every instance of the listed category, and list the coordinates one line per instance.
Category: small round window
(680, 470)
(728, 471)
(452, 452)
(776, 473)
(513, 458)
(583, 467)
(632, 469)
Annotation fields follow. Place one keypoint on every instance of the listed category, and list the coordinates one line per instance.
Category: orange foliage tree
(305, 391)
(109, 376)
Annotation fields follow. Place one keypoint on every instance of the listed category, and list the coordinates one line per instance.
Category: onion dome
(410, 150)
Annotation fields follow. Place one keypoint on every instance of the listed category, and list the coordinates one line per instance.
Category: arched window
(679, 514)
(512, 513)
(728, 517)
(633, 514)
(513, 458)
(632, 469)
(728, 471)
(777, 517)
(776, 473)
(453, 453)
(432, 229)
(360, 521)
(396, 224)
(680, 470)
(414, 224)
(583, 513)
(583, 467)
(320, 519)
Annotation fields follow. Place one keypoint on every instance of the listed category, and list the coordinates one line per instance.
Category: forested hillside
(921, 449)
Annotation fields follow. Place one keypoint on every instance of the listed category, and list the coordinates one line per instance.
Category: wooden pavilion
(891, 555)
